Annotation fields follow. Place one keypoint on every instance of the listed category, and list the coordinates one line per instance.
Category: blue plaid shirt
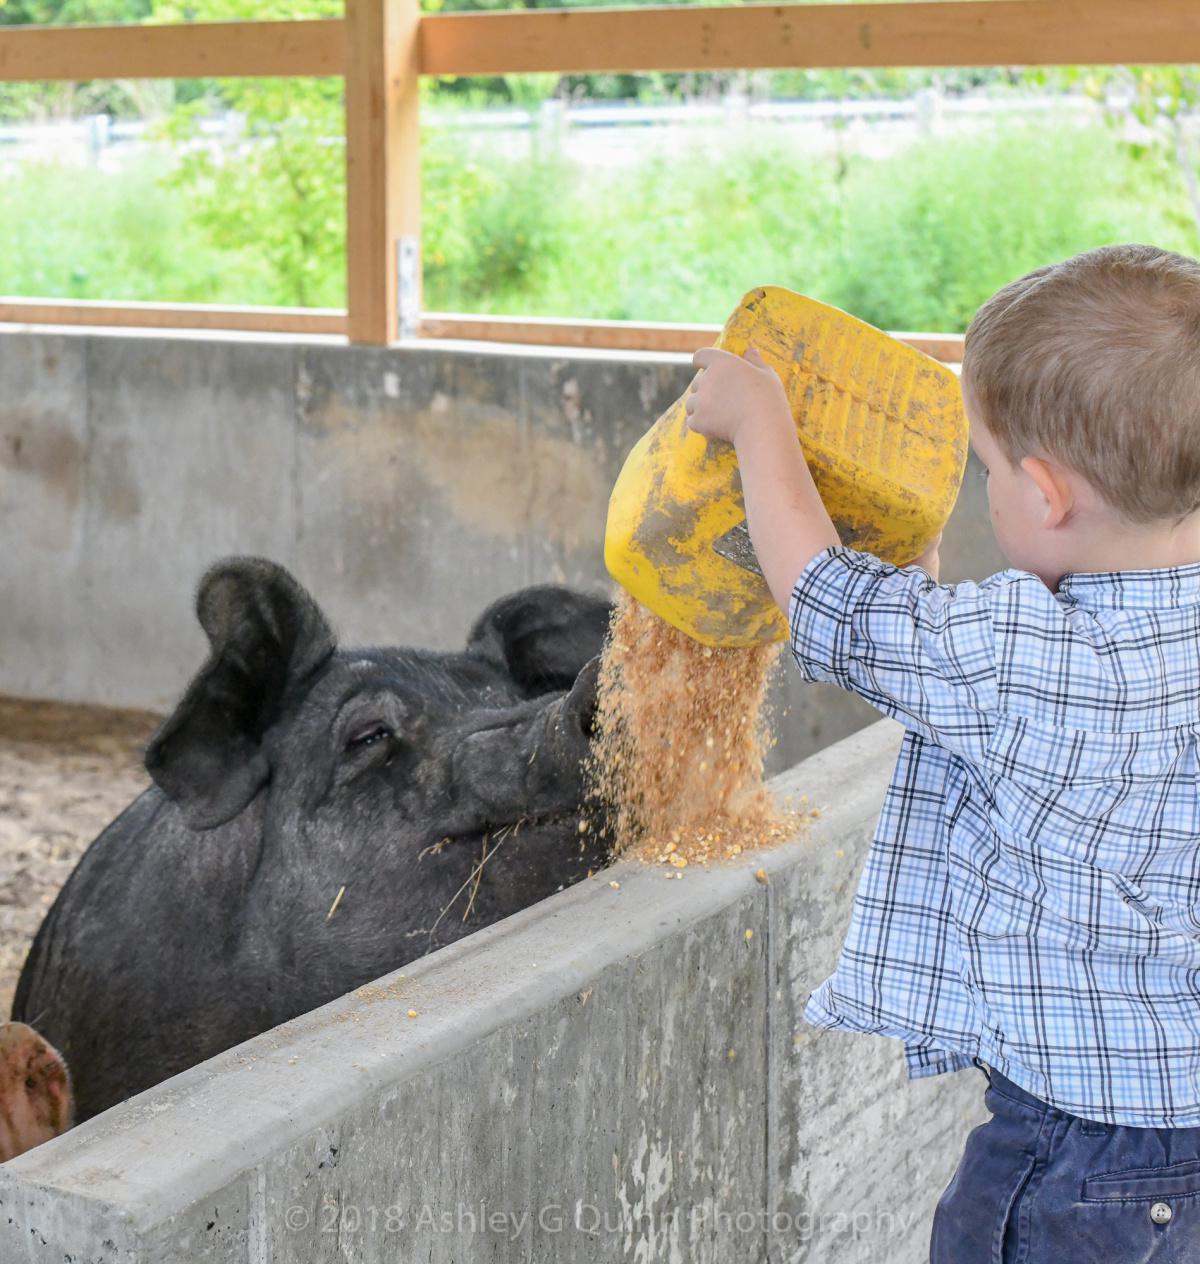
(1032, 895)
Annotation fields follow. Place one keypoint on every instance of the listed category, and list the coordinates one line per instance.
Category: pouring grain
(682, 737)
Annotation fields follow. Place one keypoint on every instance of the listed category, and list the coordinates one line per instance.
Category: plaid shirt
(1032, 895)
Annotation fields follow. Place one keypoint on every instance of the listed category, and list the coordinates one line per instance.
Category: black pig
(319, 817)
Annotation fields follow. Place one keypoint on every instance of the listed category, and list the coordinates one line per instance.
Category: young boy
(1031, 902)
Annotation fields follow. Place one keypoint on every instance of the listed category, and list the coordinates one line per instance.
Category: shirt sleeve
(921, 652)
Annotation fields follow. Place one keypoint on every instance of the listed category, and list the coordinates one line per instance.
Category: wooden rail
(624, 335)
(746, 36)
(382, 47)
(261, 320)
(612, 335)
(194, 50)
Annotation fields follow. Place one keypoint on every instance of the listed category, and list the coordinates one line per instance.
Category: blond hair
(1096, 362)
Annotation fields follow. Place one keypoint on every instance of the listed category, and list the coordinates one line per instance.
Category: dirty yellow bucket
(883, 430)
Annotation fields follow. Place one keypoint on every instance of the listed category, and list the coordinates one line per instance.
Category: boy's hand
(734, 391)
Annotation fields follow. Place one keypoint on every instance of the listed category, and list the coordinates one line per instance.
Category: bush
(491, 229)
(931, 233)
(914, 241)
(79, 233)
(667, 239)
(280, 192)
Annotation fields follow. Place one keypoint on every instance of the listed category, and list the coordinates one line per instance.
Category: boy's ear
(1052, 481)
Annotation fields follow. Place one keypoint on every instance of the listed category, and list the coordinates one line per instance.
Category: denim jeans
(1038, 1186)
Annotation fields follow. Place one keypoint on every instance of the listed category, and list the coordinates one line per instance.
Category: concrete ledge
(612, 1074)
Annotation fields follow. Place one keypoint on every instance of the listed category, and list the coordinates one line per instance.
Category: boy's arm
(788, 523)
(921, 652)
(743, 401)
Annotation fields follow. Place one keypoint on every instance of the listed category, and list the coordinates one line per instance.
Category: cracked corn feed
(682, 733)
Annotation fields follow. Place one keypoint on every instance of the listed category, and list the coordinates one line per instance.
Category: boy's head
(1082, 384)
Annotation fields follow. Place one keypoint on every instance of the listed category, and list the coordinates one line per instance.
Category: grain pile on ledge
(682, 735)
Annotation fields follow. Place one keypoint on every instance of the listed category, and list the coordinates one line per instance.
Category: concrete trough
(616, 1073)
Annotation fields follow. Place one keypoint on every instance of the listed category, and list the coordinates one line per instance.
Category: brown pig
(35, 1091)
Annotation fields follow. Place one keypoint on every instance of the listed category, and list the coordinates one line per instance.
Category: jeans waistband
(1014, 1092)
(1002, 1084)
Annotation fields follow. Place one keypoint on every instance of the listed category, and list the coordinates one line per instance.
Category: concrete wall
(406, 488)
(610, 1075)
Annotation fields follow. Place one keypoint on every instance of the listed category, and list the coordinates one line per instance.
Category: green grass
(78, 233)
(927, 236)
(916, 241)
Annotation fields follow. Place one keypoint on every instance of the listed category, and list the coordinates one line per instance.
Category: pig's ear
(266, 633)
(542, 636)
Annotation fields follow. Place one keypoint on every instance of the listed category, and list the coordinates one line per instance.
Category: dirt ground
(65, 772)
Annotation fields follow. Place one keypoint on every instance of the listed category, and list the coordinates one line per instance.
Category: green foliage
(490, 226)
(674, 238)
(930, 233)
(1164, 102)
(282, 190)
(81, 234)
(72, 12)
(916, 241)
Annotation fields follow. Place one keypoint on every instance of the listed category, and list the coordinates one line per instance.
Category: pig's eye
(368, 736)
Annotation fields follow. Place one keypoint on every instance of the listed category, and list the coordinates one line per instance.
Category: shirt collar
(1135, 589)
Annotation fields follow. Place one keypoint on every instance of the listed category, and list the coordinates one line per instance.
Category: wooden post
(383, 169)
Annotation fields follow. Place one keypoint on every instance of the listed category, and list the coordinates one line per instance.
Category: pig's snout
(35, 1091)
(582, 703)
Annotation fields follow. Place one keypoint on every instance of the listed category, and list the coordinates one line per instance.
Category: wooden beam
(920, 33)
(189, 50)
(948, 348)
(612, 335)
(275, 320)
(748, 36)
(623, 335)
(383, 167)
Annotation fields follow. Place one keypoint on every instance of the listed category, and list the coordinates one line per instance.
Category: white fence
(603, 132)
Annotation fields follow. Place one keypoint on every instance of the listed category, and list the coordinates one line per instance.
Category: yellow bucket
(882, 428)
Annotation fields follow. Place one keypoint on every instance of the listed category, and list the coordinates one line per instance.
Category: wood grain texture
(624, 335)
(280, 320)
(933, 33)
(190, 50)
(603, 335)
(383, 158)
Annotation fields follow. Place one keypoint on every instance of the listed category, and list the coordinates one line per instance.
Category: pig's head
(387, 800)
